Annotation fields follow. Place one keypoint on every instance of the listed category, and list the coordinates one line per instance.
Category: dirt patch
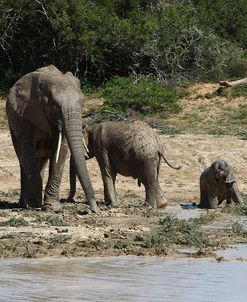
(206, 112)
(131, 228)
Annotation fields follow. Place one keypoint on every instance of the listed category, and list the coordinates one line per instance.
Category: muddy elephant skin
(44, 111)
(217, 184)
(130, 149)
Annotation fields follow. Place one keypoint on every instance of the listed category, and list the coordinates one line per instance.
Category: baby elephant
(217, 183)
(130, 149)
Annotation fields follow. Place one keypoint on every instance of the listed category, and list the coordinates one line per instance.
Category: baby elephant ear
(230, 178)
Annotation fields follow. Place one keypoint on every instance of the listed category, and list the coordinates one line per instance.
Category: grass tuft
(15, 222)
(50, 220)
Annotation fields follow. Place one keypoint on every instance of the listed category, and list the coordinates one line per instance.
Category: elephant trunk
(73, 134)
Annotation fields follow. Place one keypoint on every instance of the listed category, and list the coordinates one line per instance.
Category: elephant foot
(53, 206)
(93, 206)
(162, 203)
(114, 205)
(22, 204)
(68, 200)
(30, 204)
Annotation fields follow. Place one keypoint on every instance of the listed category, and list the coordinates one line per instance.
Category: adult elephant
(43, 109)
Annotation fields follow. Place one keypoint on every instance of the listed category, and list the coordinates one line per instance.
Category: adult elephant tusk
(58, 145)
(85, 146)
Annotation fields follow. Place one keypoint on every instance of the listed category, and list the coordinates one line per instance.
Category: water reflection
(122, 279)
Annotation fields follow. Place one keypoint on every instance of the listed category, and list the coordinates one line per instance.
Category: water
(122, 279)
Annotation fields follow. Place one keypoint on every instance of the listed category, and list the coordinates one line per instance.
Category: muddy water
(122, 279)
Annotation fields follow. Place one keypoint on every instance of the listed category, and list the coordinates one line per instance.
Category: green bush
(143, 94)
(182, 49)
(97, 40)
(226, 17)
(240, 91)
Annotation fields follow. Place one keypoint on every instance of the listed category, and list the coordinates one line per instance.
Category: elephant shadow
(4, 204)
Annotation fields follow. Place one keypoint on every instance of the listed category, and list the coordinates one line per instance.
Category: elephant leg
(72, 177)
(208, 196)
(155, 197)
(109, 177)
(236, 195)
(110, 194)
(22, 203)
(31, 179)
(150, 194)
(160, 197)
(213, 202)
(31, 182)
(51, 196)
(204, 198)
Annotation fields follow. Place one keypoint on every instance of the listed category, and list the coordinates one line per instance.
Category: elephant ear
(230, 178)
(210, 175)
(25, 98)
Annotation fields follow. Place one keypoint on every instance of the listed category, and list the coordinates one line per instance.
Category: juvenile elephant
(43, 108)
(130, 149)
(217, 183)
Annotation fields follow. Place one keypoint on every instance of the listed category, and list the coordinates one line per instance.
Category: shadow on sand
(8, 205)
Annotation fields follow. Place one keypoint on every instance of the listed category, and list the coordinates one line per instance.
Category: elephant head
(51, 101)
(222, 172)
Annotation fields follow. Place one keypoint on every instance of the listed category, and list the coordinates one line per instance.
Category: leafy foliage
(143, 94)
(98, 40)
(226, 17)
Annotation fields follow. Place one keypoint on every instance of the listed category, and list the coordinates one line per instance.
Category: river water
(123, 279)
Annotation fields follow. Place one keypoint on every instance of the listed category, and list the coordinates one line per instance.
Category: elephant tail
(173, 167)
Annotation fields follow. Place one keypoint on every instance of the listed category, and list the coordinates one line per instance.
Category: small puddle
(184, 214)
(236, 252)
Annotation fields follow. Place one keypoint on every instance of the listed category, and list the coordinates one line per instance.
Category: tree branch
(233, 83)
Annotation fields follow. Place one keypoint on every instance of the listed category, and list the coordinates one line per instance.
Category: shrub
(143, 94)
(97, 40)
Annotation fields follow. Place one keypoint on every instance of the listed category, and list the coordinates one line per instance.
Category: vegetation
(100, 39)
(15, 222)
(142, 94)
(237, 210)
(50, 220)
(59, 238)
(180, 232)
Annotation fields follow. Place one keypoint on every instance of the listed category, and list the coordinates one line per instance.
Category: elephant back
(141, 139)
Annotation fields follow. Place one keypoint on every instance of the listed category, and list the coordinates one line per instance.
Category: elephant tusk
(58, 145)
(85, 146)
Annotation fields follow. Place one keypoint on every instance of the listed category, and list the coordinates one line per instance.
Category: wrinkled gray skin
(130, 149)
(217, 184)
(39, 105)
